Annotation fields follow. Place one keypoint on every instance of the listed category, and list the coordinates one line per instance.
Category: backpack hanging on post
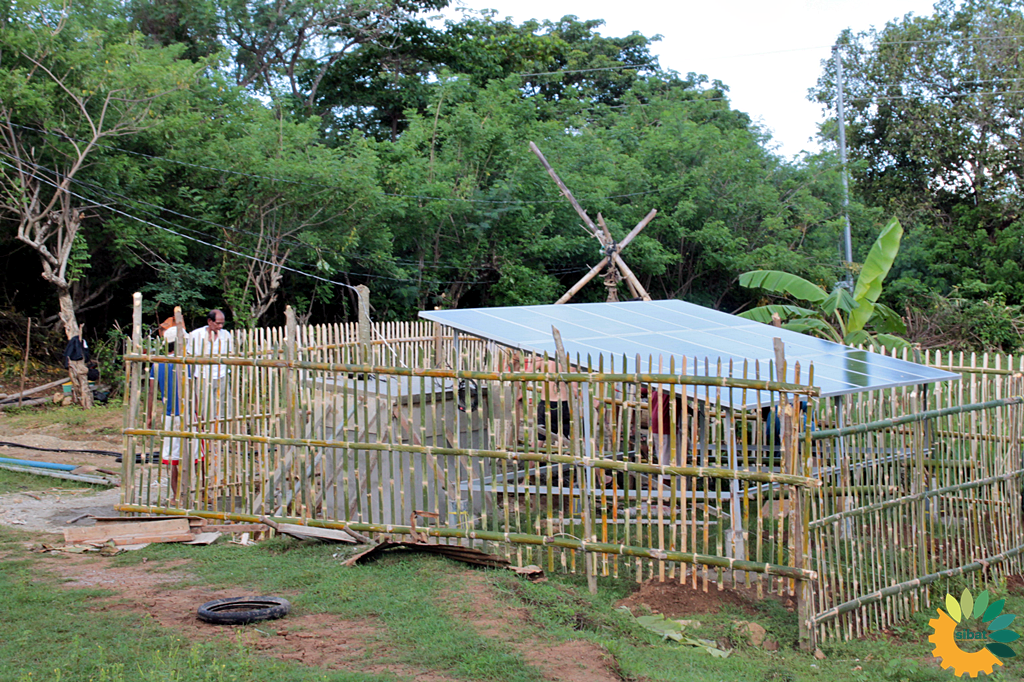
(76, 350)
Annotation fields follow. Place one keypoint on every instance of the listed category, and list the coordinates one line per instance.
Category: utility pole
(837, 56)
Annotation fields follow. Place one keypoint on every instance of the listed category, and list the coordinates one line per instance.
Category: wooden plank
(237, 528)
(152, 539)
(311, 532)
(167, 530)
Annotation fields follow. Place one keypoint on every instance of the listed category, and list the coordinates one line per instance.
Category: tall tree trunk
(77, 369)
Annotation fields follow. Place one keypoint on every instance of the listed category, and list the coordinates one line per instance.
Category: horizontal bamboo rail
(913, 418)
(504, 455)
(1019, 473)
(566, 377)
(519, 538)
(915, 584)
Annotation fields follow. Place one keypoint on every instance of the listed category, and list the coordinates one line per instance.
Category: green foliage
(839, 316)
(869, 282)
(784, 283)
(931, 104)
(178, 284)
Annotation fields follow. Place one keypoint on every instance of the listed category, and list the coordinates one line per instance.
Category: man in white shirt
(212, 392)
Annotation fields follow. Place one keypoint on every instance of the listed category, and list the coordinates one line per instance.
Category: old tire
(242, 610)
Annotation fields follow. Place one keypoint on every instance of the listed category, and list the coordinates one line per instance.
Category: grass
(16, 482)
(403, 594)
(42, 416)
(54, 634)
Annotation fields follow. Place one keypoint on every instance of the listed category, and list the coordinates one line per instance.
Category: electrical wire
(103, 194)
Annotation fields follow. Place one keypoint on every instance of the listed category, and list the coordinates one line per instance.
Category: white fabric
(171, 448)
(199, 343)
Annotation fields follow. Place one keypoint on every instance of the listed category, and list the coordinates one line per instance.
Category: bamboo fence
(854, 505)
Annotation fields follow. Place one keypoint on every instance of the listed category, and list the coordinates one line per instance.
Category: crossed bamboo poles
(612, 260)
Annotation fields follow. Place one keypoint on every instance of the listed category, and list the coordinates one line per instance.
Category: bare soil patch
(572, 661)
(154, 590)
(676, 600)
(49, 509)
(1015, 584)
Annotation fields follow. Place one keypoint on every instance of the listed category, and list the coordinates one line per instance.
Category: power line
(604, 68)
(232, 251)
(107, 194)
(883, 98)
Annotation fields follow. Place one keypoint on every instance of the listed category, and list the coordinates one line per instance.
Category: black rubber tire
(242, 610)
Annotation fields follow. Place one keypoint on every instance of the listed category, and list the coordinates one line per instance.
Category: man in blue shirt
(166, 381)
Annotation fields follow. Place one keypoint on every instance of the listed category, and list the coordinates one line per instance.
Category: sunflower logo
(953, 627)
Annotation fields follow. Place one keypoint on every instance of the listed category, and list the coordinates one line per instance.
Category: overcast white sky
(767, 52)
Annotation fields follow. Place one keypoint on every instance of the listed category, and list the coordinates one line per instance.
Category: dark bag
(76, 350)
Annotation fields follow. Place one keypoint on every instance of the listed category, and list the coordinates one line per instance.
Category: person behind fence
(211, 391)
(552, 400)
(667, 409)
(166, 382)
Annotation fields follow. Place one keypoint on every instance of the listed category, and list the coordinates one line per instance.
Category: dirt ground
(50, 506)
(675, 600)
(322, 640)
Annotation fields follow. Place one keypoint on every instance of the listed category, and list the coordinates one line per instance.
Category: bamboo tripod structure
(613, 264)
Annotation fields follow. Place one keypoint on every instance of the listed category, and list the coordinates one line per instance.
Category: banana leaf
(872, 274)
(779, 282)
(840, 299)
(887, 321)
(785, 312)
(812, 326)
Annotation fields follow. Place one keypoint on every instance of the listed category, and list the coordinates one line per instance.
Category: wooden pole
(580, 284)
(185, 409)
(363, 292)
(595, 232)
(630, 277)
(24, 364)
(134, 402)
(636, 230)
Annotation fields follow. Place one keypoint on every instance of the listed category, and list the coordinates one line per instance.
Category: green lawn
(421, 607)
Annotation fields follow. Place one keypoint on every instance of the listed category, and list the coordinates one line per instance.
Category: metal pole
(837, 56)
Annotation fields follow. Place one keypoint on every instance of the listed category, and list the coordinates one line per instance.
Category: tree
(288, 46)
(839, 316)
(554, 63)
(64, 90)
(933, 108)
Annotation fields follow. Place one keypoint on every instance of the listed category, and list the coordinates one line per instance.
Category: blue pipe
(41, 465)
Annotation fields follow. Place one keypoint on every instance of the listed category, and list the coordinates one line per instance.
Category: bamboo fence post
(365, 346)
(134, 381)
(24, 364)
(184, 403)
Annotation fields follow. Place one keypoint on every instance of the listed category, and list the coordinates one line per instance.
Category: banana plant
(837, 315)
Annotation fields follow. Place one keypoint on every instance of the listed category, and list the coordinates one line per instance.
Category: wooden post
(363, 292)
(580, 284)
(185, 448)
(293, 423)
(780, 359)
(134, 383)
(24, 365)
(595, 232)
(584, 407)
(438, 347)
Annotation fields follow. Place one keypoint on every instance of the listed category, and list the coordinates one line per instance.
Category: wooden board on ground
(236, 528)
(165, 530)
(310, 532)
